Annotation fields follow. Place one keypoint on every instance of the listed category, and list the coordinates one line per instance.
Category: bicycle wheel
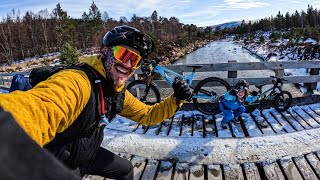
(147, 94)
(210, 86)
(282, 101)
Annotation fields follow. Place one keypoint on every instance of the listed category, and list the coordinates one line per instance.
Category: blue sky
(198, 12)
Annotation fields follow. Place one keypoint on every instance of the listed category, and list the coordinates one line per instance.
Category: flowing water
(223, 51)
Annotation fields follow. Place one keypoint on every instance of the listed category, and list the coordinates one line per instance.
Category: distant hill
(227, 25)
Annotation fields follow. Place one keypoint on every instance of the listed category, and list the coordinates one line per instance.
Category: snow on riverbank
(283, 50)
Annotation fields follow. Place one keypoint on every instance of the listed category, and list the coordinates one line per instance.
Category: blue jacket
(232, 102)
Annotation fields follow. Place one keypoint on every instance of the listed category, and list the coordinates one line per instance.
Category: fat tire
(215, 104)
(152, 86)
(277, 98)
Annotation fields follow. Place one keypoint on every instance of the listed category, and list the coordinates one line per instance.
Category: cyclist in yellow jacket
(63, 113)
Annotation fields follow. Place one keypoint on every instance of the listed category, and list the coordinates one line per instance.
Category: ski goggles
(123, 55)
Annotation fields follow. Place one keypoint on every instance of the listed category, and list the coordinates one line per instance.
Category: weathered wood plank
(290, 169)
(222, 132)
(165, 125)
(251, 127)
(140, 129)
(210, 126)
(251, 171)
(199, 129)
(305, 168)
(175, 127)
(236, 129)
(150, 170)
(314, 162)
(286, 125)
(278, 128)
(306, 117)
(152, 129)
(138, 166)
(259, 119)
(214, 172)
(292, 121)
(264, 65)
(301, 121)
(311, 113)
(14, 73)
(232, 171)
(187, 124)
(251, 80)
(272, 171)
(182, 172)
(315, 108)
(165, 171)
(196, 172)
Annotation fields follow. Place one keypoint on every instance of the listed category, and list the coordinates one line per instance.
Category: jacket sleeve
(250, 98)
(51, 106)
(229, 97)
(145, 114)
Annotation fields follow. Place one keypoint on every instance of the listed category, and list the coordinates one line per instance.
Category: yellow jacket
(53, 105)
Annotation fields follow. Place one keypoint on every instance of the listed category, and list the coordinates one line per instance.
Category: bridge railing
(232, 67)
(6, 78)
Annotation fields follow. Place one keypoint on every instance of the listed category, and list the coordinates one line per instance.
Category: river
(221, 52)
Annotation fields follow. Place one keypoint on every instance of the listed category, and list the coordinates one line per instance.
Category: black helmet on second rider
(129, 36)
(242, 84)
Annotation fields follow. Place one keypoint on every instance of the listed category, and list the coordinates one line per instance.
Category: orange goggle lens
(123, 55)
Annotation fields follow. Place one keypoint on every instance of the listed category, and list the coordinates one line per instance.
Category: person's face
(121, 71)
(241, 93)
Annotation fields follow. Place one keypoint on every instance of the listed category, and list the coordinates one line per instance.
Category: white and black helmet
(129, 36)
(242, 84)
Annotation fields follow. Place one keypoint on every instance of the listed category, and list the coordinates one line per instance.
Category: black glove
(181, 89)
(254, 93)
(233, 92)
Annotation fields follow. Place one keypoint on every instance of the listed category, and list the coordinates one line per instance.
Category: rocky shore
(175, 51)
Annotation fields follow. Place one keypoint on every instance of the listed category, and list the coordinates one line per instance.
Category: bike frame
(265, 95)
(164, 73)
(189, 78)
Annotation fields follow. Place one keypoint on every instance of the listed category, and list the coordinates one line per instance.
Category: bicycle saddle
(196, 66)
(259, 86)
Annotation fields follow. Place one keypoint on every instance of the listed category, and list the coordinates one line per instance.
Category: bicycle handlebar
(278, 78)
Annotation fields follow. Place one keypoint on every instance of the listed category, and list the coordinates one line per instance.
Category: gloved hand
(233, 92)
(181, 89)
(254, 93)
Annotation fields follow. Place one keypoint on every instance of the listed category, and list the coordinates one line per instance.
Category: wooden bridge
(263, 130)
(268, 145)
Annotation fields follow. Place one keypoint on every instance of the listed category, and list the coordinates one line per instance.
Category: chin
(119, 84)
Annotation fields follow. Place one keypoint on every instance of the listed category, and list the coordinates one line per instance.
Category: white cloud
(244, 4)
(200, 13)
(317, 4)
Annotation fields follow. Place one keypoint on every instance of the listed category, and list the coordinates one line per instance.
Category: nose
(127, 64)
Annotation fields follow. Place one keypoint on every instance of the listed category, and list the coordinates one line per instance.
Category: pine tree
(64, 27)
(69, 55)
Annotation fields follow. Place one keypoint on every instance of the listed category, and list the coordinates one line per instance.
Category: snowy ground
(278, 51)
(216, 150)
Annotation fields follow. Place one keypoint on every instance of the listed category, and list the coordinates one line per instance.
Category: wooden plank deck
(297, 118)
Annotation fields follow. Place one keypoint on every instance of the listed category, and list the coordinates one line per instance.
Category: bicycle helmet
(242, 84)
(129, 36)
